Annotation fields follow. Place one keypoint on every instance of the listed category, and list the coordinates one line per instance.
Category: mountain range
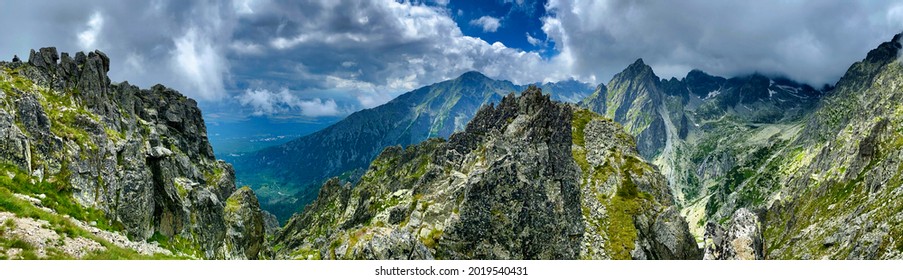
(672, 120)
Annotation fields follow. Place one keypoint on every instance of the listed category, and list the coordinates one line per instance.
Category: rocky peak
(698, 74)
(637, 79)
(638, 64)
(674, 87)
(636, 71)
(45, 58)
(492, 117)
(634, 98)
(885, 52)
(701, 83)
(601, 88)
(861, 73)
(472, 76)
(495, 118)
(750, 88)
(85, 76)
(49, 60)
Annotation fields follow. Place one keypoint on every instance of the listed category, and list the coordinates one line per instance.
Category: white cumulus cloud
(319, 108)
(488, 23)
(533, 41)
(266, 102)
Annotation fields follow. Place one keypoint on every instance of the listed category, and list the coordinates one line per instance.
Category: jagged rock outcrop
(245, 232)
(742, 240)
(139, 155)
(665, 237)
(527, 179)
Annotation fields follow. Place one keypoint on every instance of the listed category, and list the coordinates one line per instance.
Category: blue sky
(516, 20)
(314, 61)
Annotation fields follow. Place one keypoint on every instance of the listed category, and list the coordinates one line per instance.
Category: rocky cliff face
(140, 156)
(527, 179)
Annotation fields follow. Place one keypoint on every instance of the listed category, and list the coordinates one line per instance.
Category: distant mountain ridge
(286, 177)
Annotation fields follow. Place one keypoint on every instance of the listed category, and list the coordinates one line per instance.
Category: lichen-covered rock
(14, 145)
(245, 230)
(387, 244)
(667, 237)
(742, 240)
(527, 179)
(714, 242)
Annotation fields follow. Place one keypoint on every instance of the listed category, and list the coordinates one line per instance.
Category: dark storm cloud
(178, 43)
(812, 41)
